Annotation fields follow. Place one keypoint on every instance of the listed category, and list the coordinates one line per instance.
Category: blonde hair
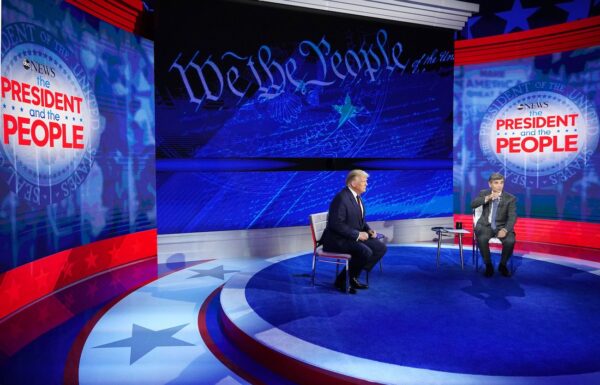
(355, 174)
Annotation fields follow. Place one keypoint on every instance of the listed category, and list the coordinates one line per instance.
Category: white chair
(318, 223)
(495, 240)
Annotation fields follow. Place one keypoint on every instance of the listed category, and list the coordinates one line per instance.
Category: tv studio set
(313, 192)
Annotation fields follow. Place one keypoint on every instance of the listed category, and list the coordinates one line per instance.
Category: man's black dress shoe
(342, 287)
(503, 270)
(356, 284)
(489, 270)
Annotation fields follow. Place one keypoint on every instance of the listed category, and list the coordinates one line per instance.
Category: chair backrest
(318, 223)
(476, 215)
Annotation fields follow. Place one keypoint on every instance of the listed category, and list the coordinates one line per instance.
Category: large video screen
(240, 94)
(536, 121)
(263, 199)
(77, 147)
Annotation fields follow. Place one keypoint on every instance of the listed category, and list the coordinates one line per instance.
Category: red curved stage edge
(287, 367)
(558, 232)
(540, 41)
(22, 327)
(30, 282)
(212, 346)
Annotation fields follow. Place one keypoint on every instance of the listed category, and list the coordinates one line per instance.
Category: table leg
(439, 233)
(460, 248)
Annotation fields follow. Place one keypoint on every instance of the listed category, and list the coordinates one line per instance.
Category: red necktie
(360, 205)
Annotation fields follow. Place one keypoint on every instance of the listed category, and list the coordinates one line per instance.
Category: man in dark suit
(498, 219)
(348, 232)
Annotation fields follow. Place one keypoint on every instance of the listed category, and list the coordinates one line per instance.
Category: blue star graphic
(347, 111)
(577, 9)
(147, 7)
(470, 23)
(143, 340)
(215, 272)
(301, 87)
(517, 17)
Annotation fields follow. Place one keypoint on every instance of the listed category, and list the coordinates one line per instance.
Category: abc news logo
(40, 68)
(532, 106)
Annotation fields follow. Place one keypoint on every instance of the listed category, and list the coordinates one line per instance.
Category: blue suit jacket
(345, 220)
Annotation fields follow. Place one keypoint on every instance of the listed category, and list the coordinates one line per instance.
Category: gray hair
(496, 176)
(355, 174)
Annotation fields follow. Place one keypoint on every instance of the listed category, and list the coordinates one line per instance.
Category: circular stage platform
(418, 324)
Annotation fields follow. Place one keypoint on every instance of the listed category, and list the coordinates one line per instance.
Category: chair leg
(473, 250)
(347, 277)
(477, 253)
(460, 247)
(314, 269)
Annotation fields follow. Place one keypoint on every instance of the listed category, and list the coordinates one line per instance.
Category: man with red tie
(348, 232)
(498, 219)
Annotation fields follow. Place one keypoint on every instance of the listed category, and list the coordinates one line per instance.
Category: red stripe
(287, 367)
(542, 46)
(545, 39)
(212, 346)
(124, 8)
(525, 36)
(135, 4)
(32, 281)
(26, 325)
(539, 41)
(113, 16)
(111, 11)
(120, 13)
(579, 234)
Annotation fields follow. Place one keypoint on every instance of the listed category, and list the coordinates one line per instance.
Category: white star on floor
(216, 272)
(143, 340)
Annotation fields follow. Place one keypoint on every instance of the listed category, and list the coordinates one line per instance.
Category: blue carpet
(543, 321)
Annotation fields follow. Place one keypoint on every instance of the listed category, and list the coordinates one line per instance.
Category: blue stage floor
(415, 325)
(541, 322)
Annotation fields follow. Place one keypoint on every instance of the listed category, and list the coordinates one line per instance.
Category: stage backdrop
(77, 144)
(535, 120)
(262, 110)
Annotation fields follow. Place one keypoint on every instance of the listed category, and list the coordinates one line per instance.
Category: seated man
(348, 232)
(497, 220)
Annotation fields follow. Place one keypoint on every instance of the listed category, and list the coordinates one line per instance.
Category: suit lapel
(503, 201)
